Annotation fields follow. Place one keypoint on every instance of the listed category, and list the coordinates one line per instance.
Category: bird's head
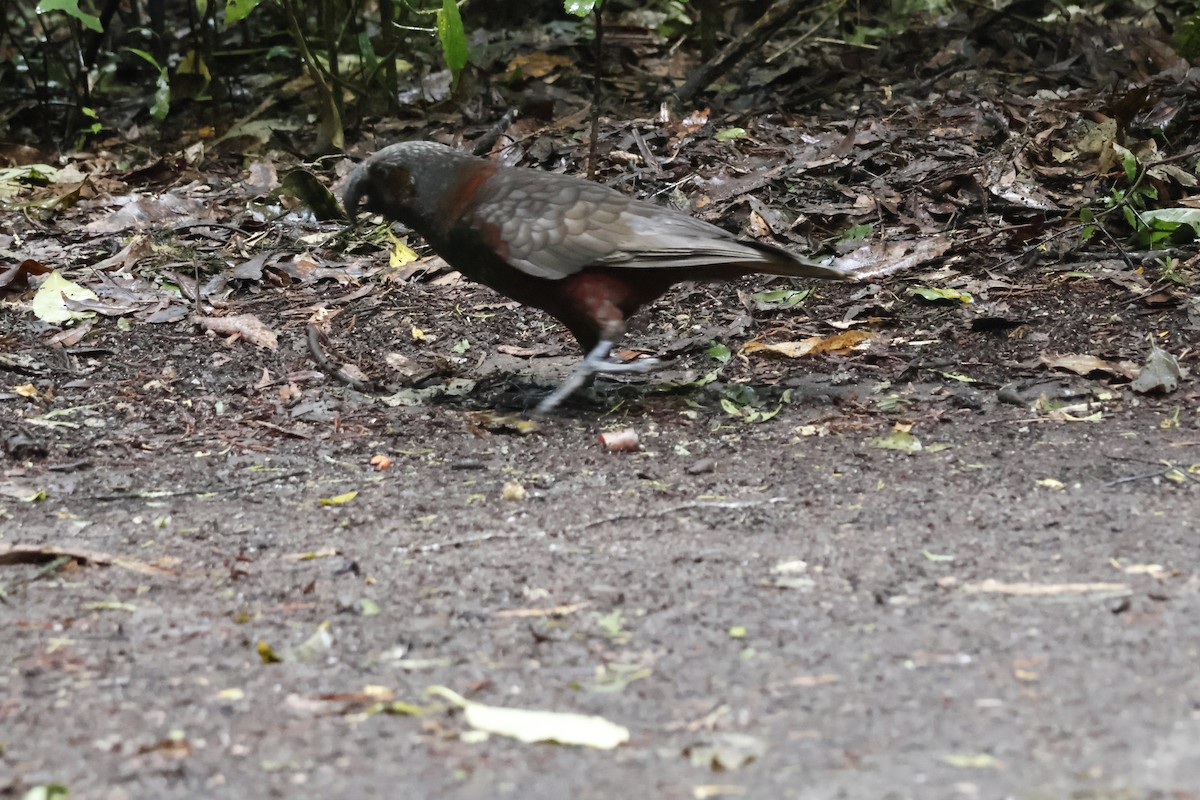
(402, 180)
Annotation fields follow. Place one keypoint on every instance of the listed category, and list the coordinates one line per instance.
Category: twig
(315, 337)
(330, 133)
(1120, 250)
(596, 91)
(805, 36)
(1131, 478)
(484, 143)
(224, 225)
(762, 30)
(1028, 250)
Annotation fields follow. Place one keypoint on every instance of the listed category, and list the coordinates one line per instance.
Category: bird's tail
(778, 261)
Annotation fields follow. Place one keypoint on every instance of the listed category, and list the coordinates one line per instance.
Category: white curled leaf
(537, 726)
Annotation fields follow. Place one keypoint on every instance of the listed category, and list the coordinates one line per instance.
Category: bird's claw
(597, 362)
(614, 367)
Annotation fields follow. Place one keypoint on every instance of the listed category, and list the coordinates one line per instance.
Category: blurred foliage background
(71, 70)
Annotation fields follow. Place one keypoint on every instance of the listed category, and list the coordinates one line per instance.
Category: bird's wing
(666, 239)
(553, 226)
(547, 225)
(658, 237)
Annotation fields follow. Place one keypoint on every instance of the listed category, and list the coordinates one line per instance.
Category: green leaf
(781, 298)
(612, 623)
(90, 113)
(932, 294)
(719, 352)
(452, 36)
(956, 376)
(580, 8)
(742, 394)
(162, 87)
(730, 133)
(856, 232)
(1173, 217)
(238, 10)
(731, 408)
(368, 607)
(310, 190)
(1128, 161)
(1186, 38)
(47, 791)
(1131, 218)
(1087, 218)
(903, 441)
(143, 54)
(71, 8)
(367, 51)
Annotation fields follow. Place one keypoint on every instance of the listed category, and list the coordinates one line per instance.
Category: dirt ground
(952, 553)
(777, 609)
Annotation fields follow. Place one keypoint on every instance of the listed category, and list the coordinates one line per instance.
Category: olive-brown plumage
(584, 253)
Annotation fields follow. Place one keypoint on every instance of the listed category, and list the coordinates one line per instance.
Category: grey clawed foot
(597, 362)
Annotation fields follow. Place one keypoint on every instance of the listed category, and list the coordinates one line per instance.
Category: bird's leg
(597, 362)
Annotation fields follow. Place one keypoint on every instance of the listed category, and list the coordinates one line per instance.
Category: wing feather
(556, 225)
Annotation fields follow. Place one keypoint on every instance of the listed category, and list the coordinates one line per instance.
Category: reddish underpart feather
(603, 301)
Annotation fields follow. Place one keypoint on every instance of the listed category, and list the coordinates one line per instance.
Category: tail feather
(787, 263)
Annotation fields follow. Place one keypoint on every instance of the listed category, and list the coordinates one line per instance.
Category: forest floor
(952, 555)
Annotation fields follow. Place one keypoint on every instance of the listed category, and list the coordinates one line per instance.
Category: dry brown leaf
(846, 340)
(137, 249)
(1083, 364)
(247, 326)
(40, 554)
(537, 65)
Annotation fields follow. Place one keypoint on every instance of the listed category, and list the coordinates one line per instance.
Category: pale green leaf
(238, 10)
(730, 133)
(452, 36)
(71, 8)
(898, 440)
(932, 294)
(579, 8)
(50, 302)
